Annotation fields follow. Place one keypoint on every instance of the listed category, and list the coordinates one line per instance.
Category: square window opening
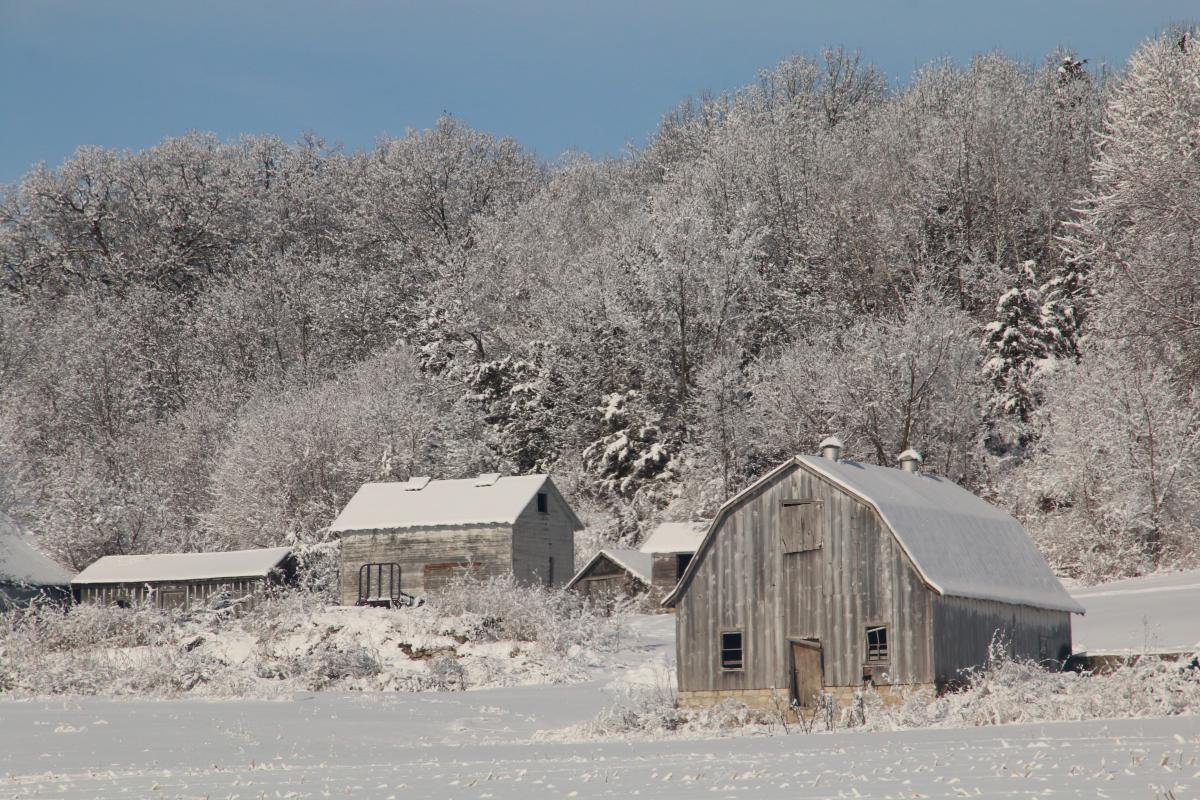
(732, 654)
(877, 644)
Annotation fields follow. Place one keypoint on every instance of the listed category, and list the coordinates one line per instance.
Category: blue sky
(556, 76)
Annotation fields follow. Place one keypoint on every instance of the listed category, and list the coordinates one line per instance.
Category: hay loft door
(808, 676)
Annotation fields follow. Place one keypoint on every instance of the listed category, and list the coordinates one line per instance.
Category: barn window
(681, 564)
(543, 503)
(732, 655)
(877, 644)
(800, 524)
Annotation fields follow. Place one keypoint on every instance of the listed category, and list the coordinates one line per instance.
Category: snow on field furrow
(415, 746)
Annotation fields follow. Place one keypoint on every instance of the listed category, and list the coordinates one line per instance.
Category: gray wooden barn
(613, 574)
(671, 546)
(413, 536)
(26, 575)
(182, 580)
(825, 574)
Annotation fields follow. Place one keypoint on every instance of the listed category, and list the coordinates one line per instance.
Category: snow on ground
(1156, 612)
(482, 744)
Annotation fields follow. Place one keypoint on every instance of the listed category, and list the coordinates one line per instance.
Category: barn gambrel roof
(960, 545)
(423, 503)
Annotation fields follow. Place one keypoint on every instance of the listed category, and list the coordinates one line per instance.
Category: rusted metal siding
(964, 629)
(540, 536)
(487, 548)
(850, 575)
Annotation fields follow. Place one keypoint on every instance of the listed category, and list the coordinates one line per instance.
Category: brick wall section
(490, 547)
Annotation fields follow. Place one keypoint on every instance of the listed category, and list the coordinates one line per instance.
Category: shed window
(543, 503)
(681, 564)
(732, 655)
(877, 644)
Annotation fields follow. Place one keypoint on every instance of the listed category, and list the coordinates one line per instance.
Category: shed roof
(635, 563)
(396, 504)
(960, 545)
(183, 566)
(675, 537)
(21, 562)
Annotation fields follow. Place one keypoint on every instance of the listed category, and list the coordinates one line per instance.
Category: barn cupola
(831, 448)
(910, 460)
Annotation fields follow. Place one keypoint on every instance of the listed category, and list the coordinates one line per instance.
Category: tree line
(212, 344)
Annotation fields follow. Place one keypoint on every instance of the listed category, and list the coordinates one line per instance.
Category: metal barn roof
(675, 537)
(497, 501)
(635, 563)
(960, 545)
(183, 566)
(22, 563)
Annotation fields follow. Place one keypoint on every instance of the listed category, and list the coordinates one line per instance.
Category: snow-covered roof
(635, 563)
(183, 566)
(675, 537)
(21, 562)
(960, 545)
(498, 501)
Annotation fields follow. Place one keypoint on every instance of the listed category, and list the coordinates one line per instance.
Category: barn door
(808, 677)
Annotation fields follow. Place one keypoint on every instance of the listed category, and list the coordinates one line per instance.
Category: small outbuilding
(27, 575)
(613, 574)
(181, 580)
(827, 574)
(410, 537)
(671, 546)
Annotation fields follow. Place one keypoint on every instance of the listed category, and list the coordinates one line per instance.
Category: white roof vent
(831, 448)
(416, 484)
(487, 479)
(910, 460)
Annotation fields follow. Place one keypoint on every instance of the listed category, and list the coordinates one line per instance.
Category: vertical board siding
(746, 581)
(195, 593)
(964, 628)
(539, 536)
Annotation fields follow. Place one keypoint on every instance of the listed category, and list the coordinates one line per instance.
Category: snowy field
(484, 744)
(511, 743)
(1157, 612)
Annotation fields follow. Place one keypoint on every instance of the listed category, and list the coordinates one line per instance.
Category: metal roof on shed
(675, 537)
(22, 563)
(391, 505)
(183, 566)
(960, 545)
(635, 563)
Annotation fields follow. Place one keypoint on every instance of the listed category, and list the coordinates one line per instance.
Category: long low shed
(181, 580)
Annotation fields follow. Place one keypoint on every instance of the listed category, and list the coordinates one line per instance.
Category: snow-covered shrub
(1012, 691)
(503, 608)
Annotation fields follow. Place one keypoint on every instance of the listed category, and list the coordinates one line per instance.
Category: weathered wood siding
(664, 573)
(191, 592)
(963, 630)
(852, 575)
(488, 548)
(540, 536)
(607, 580)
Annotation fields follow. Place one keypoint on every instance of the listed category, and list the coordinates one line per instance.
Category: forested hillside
(212, 344)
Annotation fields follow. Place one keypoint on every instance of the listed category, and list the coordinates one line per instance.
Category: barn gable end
(806, 566)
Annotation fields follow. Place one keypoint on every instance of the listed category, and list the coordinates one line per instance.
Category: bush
(502, 608)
